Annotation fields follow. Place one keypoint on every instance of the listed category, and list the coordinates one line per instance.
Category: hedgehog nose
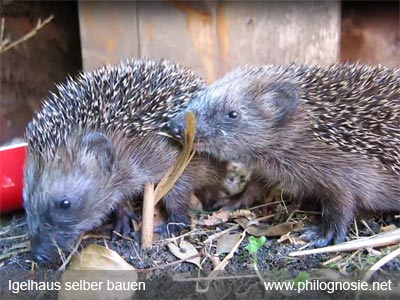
(176, 130)
(39, 253)
(40, 257)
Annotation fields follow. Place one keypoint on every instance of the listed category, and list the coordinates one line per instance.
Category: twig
(175, 238)
(384, 239)
(67, 260)
(208, 278)
(2, 30)
(30, 34)
(152, 196)
(13, 237)
(148, 216)
(8, 228)
(224, 262)
(219, 234)
(380, 263)
(9, 254)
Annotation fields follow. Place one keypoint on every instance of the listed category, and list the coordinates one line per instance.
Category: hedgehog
(95, 144)
(327, 133)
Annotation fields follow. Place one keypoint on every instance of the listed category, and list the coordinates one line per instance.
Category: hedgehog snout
(42, 251)
(176, 130)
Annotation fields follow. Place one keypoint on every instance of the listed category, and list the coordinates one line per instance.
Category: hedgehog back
(132, 97)
(353, 107)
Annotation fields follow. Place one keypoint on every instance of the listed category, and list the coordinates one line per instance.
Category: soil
(157, 264)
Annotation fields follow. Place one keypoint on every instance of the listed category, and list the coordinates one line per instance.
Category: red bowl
(12, 162)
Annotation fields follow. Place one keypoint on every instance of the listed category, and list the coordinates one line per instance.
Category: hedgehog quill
(331, 134)
(94, 145)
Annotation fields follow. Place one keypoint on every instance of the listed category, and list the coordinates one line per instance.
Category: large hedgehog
(326, 133)
(93, 145)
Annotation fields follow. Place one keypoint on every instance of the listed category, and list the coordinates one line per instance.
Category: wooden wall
(370, 33)
(29, 70)
(209, 36)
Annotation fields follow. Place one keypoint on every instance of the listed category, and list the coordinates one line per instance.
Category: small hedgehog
(327, 133)
(94, 145)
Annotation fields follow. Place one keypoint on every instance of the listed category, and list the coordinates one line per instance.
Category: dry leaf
(152, 196)
(86, 277)
(242, 222)
(216, 218)
(243, 213)
(261, 229)
(388, 228)
(95, 257)
(168, 181)
(185, 251)
(267, 230)
(226, 242)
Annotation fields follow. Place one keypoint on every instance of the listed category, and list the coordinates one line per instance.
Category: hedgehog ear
(283, 96)
(100, 146)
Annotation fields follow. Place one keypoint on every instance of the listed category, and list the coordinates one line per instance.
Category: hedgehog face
(233, 110)
(64, 197)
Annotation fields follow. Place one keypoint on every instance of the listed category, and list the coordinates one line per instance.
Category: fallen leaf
(153, 196)
(95, 257)
(168, 181)
(226, 242)
(267, 230)
(261, 229)
(388, 228)
(185, 251)
(243, 213)
(242, 222)
(216, 218)
(87, 275)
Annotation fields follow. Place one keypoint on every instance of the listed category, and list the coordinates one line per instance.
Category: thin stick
(219, 234)
(13, 237)
(384, 239)
(148, 216)
(30, 34)
(225, 261)
(208, 278)
(67, 260)
(380, 263)
(9, 254)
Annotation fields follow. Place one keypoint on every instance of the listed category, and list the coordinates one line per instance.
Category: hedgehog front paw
(319, 237)
(174, 226)
(123, 222)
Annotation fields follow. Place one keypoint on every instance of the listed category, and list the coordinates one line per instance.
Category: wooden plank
(211, 37)
(277, 32)
(108, 32)
(370, 33)
(180, 31)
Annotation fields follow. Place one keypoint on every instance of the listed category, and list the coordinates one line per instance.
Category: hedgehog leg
(208, 196)
(176, 204)
(123, 216)
(337, 214)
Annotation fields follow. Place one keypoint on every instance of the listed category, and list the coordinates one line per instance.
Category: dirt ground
(158, 263)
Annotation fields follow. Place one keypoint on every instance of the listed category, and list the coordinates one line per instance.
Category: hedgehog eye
(233, 114)
(65, 204)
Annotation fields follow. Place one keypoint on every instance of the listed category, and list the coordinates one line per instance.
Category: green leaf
(261, 241)
(252, 248)
(252, 240)
(301, 277)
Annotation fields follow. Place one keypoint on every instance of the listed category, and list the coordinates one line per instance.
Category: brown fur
(96, 173)
(326, 133)
(92, 145)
